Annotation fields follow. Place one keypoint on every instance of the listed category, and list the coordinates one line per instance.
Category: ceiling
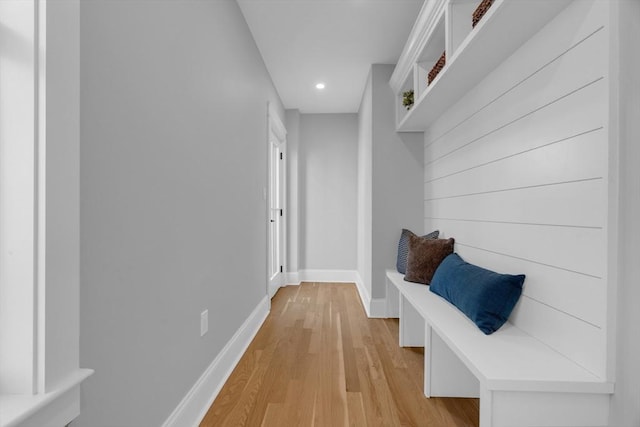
(304, 42)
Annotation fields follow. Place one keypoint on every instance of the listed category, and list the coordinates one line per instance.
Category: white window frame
(36, 387)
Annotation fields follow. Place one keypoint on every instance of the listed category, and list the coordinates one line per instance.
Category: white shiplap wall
(517, 173)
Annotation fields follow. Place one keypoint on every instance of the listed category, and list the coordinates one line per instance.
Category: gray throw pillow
(403, 248)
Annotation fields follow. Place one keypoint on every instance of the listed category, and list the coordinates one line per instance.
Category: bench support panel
(411, 325)
(522, 409)
(393, 300)
(444, 373)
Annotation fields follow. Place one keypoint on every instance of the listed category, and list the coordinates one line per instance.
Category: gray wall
(389, 182)
(62, 190)
(365, 159)
(625, 404)
(173, 221)
(397, 180)
(327, 190)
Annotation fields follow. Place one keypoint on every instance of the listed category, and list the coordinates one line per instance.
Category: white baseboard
(197, 401)
(273, 289)
(339, 276)
(375, 307)
(292, 278)
(378, 308)
(365, 298)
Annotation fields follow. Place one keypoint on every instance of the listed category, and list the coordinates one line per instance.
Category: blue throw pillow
(484, 296)
(403, 248)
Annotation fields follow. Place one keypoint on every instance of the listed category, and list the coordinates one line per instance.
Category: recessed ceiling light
(320, 86)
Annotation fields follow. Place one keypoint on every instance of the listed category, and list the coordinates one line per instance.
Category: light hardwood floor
(319, 361)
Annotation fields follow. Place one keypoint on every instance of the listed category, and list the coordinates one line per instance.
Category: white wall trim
(292, 278)
(277, 129)
(425, 24)
(339, 276)
(273, 288)
(57, 407)
(364, 294)
(378, 308)
(197, 401)
(275, 122)
(375, 307)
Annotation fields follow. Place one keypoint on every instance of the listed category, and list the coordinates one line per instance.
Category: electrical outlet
(204, 322)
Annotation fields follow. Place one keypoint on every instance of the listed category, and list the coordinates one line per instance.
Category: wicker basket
(480, 11)
(436, 68)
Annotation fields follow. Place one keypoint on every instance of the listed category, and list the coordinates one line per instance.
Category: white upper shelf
(505, 27)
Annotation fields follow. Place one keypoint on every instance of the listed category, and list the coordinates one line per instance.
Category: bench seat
(508, 368)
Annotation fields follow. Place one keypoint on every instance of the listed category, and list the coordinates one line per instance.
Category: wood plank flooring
(319, 361)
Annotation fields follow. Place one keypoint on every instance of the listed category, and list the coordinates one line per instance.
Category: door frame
(276, 129)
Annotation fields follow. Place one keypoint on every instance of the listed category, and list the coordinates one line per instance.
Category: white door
(276, 203)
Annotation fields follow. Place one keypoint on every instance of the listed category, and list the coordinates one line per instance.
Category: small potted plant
(407, 99)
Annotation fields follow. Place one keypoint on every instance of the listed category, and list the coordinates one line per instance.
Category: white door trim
(276, 129)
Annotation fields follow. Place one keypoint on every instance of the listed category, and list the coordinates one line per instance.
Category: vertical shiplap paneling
(517, 172)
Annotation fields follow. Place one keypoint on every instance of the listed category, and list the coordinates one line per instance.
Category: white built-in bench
(520, 381)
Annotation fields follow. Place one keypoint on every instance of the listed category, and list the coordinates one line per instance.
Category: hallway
(319, 361)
